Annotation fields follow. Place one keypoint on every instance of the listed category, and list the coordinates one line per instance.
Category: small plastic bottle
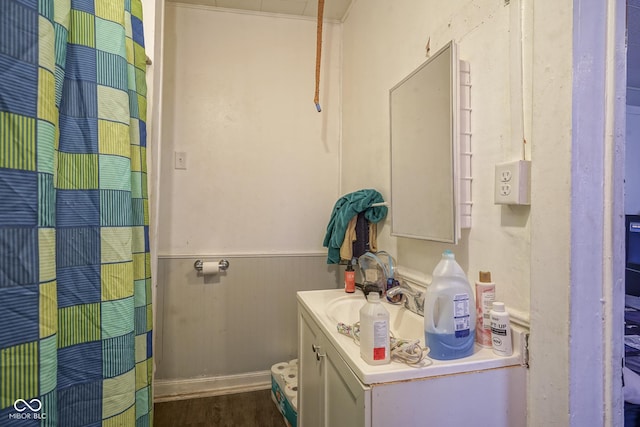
(350, 278)
(500, 330)
(374, 331)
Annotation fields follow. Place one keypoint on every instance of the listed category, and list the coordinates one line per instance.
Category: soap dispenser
(350, 278)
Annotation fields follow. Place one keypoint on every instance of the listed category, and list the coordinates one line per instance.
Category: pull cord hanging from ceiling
(316, 98)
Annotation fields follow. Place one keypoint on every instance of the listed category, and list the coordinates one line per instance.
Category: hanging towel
(361, 243)
(344, 210)
(346, 250)
(357, 238)
(373, 237)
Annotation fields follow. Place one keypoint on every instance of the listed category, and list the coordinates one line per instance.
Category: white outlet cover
(512, 183)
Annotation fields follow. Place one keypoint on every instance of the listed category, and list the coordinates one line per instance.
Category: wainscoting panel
(233, 324)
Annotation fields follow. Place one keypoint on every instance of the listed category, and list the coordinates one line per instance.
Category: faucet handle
(393, 297)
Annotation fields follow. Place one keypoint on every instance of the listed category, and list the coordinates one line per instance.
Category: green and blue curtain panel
(75, 283)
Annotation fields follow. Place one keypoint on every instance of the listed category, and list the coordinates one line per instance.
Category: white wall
(262, 164)
(529, 251)
(261, 179)
(384, 42)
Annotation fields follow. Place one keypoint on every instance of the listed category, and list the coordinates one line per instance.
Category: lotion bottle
(500, 330)
(485, 295)
(374, 331)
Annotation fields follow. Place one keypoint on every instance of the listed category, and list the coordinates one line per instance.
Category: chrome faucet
(413, 299)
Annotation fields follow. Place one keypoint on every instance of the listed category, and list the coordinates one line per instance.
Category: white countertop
(482, 358)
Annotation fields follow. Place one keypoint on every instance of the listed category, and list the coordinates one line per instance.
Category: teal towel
(345, 208)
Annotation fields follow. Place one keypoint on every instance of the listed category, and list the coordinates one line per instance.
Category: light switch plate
(512, 186)
(180, 160)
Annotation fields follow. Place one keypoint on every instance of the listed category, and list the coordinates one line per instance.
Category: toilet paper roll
(291, 375)
(294, 403)
(278, 370)
(293, 362)
(210, 268)
(291, 391)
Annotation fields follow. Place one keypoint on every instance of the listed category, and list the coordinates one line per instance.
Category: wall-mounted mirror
(424, 150)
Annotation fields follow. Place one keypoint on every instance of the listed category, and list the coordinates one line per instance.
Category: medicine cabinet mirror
(424, 111)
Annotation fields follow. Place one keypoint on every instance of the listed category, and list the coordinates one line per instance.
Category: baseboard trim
(191, 388)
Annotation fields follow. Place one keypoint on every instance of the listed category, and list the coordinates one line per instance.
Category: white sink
(402, 322)
(345, 309)
(329, 307)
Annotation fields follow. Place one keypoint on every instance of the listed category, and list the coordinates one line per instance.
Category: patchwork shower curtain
(75, 284)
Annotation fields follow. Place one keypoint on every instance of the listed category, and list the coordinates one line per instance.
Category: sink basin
(402, 322)
(345, 309)
(330, 306)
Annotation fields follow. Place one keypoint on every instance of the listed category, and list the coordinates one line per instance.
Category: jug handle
(430, 313)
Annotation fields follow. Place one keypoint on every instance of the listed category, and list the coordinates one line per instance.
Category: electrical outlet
(505, 175)
(512, 183)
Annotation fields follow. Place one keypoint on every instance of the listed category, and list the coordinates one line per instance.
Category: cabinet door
(347, 400)
(311, 375)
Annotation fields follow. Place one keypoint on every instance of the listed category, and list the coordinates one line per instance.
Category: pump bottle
(350, 278)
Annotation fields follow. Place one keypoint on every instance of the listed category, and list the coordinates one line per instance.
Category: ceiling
(333, 9)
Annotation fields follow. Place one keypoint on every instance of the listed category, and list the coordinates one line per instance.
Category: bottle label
(498, 327)
(461, 318)
(380, 337)
(488, 297)
(349, 281)
(496, 331)
(379, 353)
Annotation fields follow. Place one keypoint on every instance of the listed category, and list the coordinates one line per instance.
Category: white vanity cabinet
(481, 390)
(333, 395)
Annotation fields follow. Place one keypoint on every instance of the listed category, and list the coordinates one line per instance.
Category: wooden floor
(252, 409)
